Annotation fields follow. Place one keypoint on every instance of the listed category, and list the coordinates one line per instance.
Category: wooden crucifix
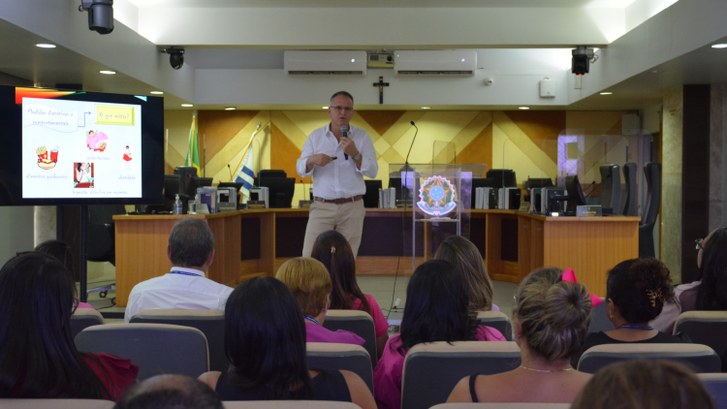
(381, 84)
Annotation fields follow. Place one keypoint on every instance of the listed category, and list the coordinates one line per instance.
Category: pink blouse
(388, 371)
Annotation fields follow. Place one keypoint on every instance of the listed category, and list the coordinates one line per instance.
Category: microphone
(406, 161)
(229, 170)
(344, 134)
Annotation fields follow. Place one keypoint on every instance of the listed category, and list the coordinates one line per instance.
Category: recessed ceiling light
(719, 45)
(107, 72)
(45, 45)
(156, 92)
(606, 93)
(426, 107)
(523, 108)
(230, 108)
(187, 105)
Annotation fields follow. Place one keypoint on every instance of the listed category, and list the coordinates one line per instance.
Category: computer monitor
(280, 191)
(536, 183)
(371, 197)
(204, 181)
(575, 194)
(479, 182)
(502, 177)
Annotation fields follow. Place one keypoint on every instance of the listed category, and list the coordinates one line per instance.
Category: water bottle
(177, 205)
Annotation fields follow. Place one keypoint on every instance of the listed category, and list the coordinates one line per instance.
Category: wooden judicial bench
(257, 242)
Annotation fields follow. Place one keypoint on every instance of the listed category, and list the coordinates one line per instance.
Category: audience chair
(599, 319)
(334, 356)
(700, 358)
(83, 318)
(502, 405)
(358, 322)
(716, 384)
(431, 370)
(155, 348)
(56, 404)
(498, 320)
(210, 322)
(288, 404)
(704, 327)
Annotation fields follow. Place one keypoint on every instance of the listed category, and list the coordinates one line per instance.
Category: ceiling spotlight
(176, 56)
(582, 57)
(100, 15)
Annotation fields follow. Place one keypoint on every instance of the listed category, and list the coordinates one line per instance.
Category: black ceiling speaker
(100, 15)
(176, 56)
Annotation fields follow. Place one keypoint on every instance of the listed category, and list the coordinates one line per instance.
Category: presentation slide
(80, 149)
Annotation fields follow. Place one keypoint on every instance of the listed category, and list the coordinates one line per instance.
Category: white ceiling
(213, 44)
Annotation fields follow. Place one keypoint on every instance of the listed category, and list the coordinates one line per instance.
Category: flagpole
(248, 146)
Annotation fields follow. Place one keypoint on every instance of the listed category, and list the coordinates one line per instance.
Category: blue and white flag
(246, 175)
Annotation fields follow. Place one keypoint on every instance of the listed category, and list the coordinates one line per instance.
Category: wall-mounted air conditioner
(325, 62)
(435, 62)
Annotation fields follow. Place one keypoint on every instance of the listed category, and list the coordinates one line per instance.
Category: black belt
(339, 201)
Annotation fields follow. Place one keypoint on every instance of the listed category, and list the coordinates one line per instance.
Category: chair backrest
(704, 327)
(155, 348)
(498, 320)
(431, 370)
(502, 405)
(631, 205)
(700, 358)
(358, 322)
(716, 384)
(210, 322)
(288, 404)
(652, 172)
(334, 356)
(83, 318)
(610, 188)
(56, 404)
(599, 319)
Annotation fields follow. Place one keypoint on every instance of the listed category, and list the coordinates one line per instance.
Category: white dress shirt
(340, 178)
(181, 288)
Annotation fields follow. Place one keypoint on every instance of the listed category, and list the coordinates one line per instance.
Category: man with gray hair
(191, 250)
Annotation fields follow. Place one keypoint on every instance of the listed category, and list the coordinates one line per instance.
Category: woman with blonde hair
(310, 283)
(551, 320)
(461, 252)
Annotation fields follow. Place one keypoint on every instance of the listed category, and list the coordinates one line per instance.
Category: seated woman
(461, 252)
(636, 291)
(310, 283)
(644, 384)
(710, 292)
(551, 320)
(333, 250)
(265, 343)
(436, 309)
(38, 358)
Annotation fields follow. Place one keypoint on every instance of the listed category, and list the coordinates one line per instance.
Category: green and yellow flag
(192, 150)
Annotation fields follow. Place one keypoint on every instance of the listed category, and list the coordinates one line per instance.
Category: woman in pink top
(333, 250)
(436, 309)
(308, 280)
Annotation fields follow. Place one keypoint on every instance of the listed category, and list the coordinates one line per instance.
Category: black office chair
(100, 243)
(631, 207)
(652, 171)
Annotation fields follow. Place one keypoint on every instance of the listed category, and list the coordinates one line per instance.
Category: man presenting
(338, 156)
(191, 250)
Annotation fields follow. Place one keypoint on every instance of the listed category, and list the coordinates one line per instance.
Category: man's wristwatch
(357, 157)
